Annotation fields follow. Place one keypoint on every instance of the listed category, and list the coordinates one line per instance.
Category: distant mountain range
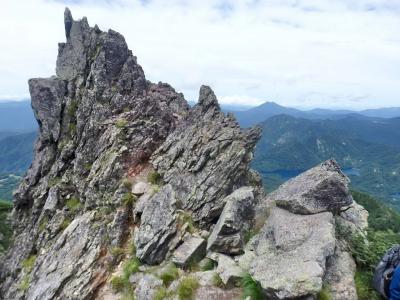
(367, 148)
(16, 153)
(17, 116)
(366, 143)
(266, 110)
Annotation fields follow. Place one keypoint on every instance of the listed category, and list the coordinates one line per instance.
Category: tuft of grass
(121, 123)
(186, 218)
(117, 252)
(118, 283)
(251, 288)
(324, 294)
(217, 281)
(154, 178)
(128, 199)
(187, 288)
(169, 275)
(127, 184)
(162, 293)
(28, 263)
(73, 204)
(208, 265)
(131, 267)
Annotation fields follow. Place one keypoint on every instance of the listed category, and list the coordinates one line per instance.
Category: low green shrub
(154, 178)
(251, 288)
(364, 289)
(162, 293)
(208, 265)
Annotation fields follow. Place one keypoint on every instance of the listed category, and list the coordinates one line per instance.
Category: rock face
(323, 188)
(125, 164)
(102, 124)
(206, 158)
(100, 121)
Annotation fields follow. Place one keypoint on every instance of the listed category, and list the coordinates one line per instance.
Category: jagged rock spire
(68, 20)
(207, 98)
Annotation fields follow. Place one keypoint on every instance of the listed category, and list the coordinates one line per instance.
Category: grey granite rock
(229, 270)
(100, 120)
(206, 158)
(146, 287)
(237, 215)
(339, 277)
(322, 188)
(191, 251)
(158, 227)
(290, 253)
(215, 293)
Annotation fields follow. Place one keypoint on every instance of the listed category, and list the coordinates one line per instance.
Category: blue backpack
(385, 269)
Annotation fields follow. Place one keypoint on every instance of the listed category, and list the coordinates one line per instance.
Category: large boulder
(322, 188)
(191, 251)
(290, 252)
(228, 234)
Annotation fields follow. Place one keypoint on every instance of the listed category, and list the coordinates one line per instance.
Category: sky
(299, 53)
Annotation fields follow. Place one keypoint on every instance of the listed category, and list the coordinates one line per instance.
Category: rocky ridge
(129, 182)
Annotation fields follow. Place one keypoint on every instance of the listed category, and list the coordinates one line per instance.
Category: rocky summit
(133, 194)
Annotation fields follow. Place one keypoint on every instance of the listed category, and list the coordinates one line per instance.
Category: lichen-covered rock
(191, 251)
(290, 253)
(237, 215)
(206, 158)
(322, 188)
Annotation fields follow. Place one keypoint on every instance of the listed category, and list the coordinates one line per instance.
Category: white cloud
(308, 53)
